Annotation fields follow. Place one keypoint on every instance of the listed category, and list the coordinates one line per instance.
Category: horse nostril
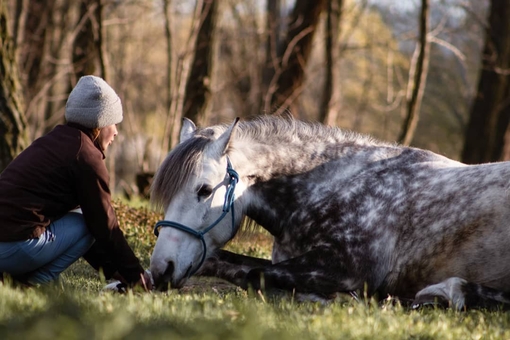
(168, 274)
(161, 282)
(169, 271)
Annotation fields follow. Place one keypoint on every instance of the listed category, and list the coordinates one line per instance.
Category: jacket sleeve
(95, 200)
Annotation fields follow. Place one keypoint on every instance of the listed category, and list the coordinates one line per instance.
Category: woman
(39, 235)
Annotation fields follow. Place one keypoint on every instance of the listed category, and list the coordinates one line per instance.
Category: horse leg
(316, 275)
(231, 267)
(460, 294)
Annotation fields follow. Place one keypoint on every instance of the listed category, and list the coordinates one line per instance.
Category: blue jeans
(42, 259)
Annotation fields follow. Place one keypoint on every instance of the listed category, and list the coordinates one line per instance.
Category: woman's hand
(145, 281)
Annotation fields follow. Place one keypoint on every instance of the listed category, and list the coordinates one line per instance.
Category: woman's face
(106, 136)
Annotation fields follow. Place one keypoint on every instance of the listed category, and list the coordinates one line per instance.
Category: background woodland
(428, 73)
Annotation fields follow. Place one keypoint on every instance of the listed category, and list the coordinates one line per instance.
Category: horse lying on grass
(347, 213)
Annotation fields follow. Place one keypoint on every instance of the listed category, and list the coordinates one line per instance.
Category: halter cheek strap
(228, 205)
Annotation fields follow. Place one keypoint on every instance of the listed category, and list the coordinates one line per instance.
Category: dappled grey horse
(347, 213)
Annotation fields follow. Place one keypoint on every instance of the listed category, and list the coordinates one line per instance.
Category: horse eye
(205, 191)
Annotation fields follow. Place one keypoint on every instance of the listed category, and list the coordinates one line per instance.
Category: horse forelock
(176, 170)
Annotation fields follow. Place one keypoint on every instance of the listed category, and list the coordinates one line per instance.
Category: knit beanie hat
(93, 104)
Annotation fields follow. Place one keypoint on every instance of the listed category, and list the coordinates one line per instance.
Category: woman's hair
(95, 133)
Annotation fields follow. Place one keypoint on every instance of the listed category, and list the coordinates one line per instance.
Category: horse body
(345, 211)
(416, 217)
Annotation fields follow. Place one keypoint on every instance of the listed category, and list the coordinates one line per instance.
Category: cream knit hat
(93, 104)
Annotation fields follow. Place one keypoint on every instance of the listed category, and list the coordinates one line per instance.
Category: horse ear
(187, 129)
(223, 141)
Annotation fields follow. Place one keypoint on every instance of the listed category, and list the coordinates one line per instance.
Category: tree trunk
(17, 22)
(98, 20)
(273, 26)
(32, 48)
(197, 87)
(334, 10)
(33, 60)
(12, 120)
(168, 38)
(85, 52)
(56, 80)
(489, 117)
(505, 145)
(418, 79)
(293, 55)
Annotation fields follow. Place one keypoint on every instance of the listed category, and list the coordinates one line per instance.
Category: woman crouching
(64, 170)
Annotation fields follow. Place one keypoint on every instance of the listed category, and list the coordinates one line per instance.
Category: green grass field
(76, 308)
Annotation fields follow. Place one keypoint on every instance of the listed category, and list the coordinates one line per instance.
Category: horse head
(196, 187)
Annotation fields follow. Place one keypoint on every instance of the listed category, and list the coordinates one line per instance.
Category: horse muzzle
(163, 280)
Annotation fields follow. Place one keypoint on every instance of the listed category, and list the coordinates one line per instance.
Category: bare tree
(490, 113)
(144, 176)
(87, 43)
(98, 21)
(12, 120)
(32, 47)
(168, 38)
(293, 56)
(199, 79)
(334, 10)
(53, 93)
(417, 78)
(273, 28)
(17, 22)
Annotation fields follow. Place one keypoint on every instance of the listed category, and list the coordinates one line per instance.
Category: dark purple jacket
(57, 173)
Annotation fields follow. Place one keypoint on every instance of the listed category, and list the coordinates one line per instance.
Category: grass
(76, 308)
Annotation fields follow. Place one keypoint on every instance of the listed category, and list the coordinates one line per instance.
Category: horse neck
(267, 164)
(261, 159)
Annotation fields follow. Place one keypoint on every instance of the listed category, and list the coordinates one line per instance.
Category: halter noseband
(228, 205)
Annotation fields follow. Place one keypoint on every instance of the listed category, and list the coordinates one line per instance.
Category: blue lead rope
(228, 205)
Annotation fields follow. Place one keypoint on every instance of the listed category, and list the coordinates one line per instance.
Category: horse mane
(287, 128)
(182, 161)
